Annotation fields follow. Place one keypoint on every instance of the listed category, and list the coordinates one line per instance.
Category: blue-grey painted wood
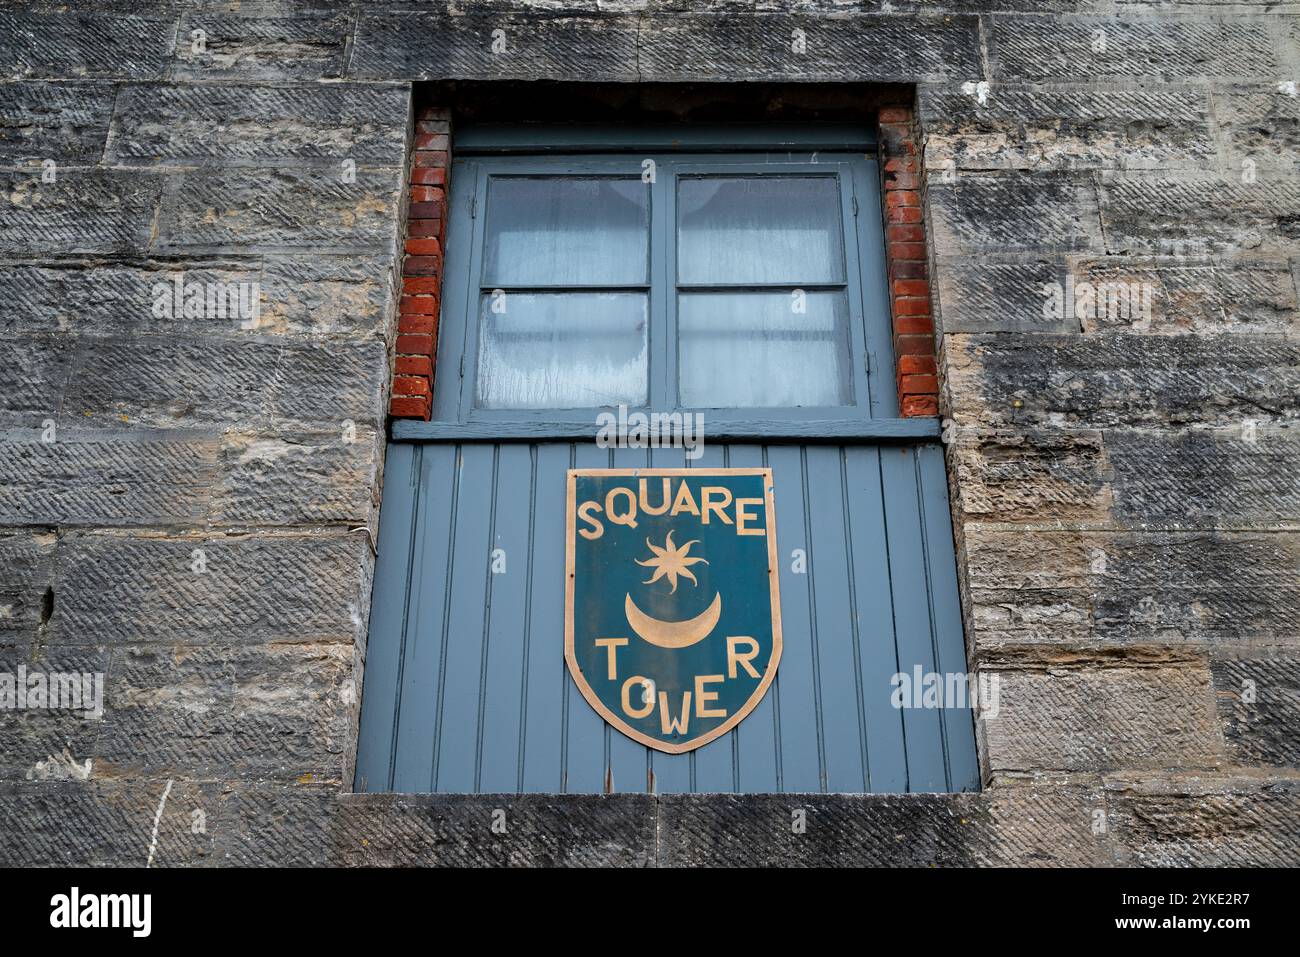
(547, 428)
(388, 616)
(466, 689)
(489, 138)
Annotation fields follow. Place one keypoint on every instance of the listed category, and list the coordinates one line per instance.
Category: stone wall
(188, 500)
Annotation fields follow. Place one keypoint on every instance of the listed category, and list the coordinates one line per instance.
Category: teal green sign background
(673, 627)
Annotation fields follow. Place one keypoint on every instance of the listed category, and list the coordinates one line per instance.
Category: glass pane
(763, 349)
(566, 232)
(759, 229)
(561, 350)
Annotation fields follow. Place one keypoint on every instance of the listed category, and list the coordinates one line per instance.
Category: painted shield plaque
(672, 617)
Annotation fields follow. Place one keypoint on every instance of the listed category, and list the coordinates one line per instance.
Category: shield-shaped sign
(672, 616)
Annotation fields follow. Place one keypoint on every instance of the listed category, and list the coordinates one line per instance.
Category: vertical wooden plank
(500, 707)
(715, 769)
(800, 755)
(950, 645)
(548, 679)
(925, 758)
(629, 762)
(672, 772)
(461, 683)
(755, 737)
(586, 750)
(877, 652)
(838, 674)
(426, 624)
(388, 614)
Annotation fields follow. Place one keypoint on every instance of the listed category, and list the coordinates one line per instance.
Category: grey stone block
(63, 122)
(84, 210)
(103, 478)
(34, 372)
(72, 44)
(1259, 706)
(1027, 127)
(1198, 215)
(1071, 587)
(1167, 48)
(179, 124)
(115, 589)
(302, 46)
(53, 739)
(1073, 712)
(1014, 211)
(248, 208)
(1106, 380)
(1204, 477)
(311, 478)
(26, 571)
(269, 712)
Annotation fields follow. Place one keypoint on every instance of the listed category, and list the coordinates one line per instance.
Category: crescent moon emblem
(673, 634)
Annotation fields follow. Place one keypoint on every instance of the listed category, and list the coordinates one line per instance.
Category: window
(735, 272)
(739, 282)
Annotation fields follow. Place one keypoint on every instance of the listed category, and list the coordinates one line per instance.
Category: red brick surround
(417, 325)
(905, 254)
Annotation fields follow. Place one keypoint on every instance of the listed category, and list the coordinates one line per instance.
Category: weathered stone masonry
(1126, 488)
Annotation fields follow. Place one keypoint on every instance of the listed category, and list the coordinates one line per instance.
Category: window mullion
(662, 393)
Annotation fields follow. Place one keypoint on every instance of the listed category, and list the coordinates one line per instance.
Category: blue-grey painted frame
(871, 359)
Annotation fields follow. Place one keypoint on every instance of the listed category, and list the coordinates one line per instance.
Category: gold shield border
(773, 577)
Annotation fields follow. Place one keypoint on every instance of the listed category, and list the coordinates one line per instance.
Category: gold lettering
(667, 722)
(742, 517)
(734, 656)
(703, 697)
(685, 502)
(584, 513)
(648, 698)
(711, 506)
(611, 646)
(645, 506)
(628, 517)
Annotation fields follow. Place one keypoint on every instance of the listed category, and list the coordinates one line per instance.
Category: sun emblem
(671, 561)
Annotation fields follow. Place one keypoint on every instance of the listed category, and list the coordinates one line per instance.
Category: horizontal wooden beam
(775, 431)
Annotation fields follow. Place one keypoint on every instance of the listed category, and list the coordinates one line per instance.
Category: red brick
(429, 210)
(416, 324)
(409, 407)
(423, 247)
(895, 114)
(914, 405)
(415, 345)
(902, 197)
(918, 385)
(424, 229)
(903, 214)
(911, 287)
(901, 181)
(900, 164)
(433, 126)
(419, 305)
(912, 325)
(410, 385)
(422, 266)
(425, 194)
(905, 232)
(909, 269)
(905, 251)
(910, 307)
(430, 159)
(430, 177)
(421, 285)
(413, 365)
(916, 365)
(431, 141)
(913, 345)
